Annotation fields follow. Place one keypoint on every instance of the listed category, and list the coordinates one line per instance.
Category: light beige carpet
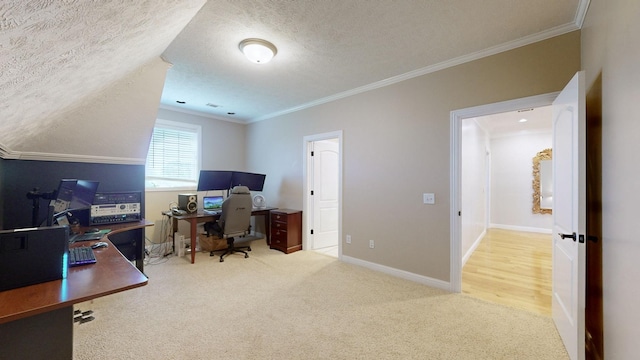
(303, 305)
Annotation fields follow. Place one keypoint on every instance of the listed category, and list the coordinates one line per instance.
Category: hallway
(512, 268)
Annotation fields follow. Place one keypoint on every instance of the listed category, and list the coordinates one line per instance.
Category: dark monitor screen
(83, 194)
(214, 180)
(64, 195)
(255, 182)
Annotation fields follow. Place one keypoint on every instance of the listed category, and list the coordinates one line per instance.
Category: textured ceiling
(54, 55)
(334, 47)
(508, 123)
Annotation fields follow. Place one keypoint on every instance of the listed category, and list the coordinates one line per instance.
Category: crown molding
(527, 40)
(8, 154)
(583, 6)
(5, 152)
(199, 113)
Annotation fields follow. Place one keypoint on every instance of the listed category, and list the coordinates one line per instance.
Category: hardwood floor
(512, 268)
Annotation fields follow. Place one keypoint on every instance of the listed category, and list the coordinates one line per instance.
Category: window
(173, 160)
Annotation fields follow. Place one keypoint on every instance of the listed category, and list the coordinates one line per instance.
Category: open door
(569, 216)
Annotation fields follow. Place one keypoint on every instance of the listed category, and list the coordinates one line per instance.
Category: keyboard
(213, 212)
(81, 256)
(85, 237)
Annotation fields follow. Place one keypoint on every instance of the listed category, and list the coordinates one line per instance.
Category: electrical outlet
(371, 244)
(348, 239)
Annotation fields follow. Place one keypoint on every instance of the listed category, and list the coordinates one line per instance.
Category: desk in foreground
(36, 322)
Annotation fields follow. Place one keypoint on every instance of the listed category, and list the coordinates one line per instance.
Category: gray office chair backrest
(236, 212)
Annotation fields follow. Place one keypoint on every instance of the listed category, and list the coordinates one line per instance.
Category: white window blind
(173, 157)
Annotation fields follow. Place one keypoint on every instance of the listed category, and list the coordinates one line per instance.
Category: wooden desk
(36, 322)
(199, 217)
(132, 247)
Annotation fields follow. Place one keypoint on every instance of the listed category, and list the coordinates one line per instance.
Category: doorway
(456, 222)
(497, 218)
(323, 193)
(575, 170)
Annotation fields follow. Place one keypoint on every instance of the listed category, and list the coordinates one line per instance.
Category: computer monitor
(214, 180)
(83, 194)
(64, 195)
(212, 203)
(255, 182)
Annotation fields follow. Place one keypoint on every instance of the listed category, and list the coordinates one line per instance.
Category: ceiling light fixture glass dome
(257, 50)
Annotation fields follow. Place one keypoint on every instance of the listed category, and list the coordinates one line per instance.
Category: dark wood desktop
(195, 218)
(37, 321)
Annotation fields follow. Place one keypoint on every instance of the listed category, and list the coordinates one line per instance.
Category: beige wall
(396, 145)
(611, 52)
(223, 148)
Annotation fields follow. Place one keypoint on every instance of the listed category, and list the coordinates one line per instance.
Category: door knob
(571, 236)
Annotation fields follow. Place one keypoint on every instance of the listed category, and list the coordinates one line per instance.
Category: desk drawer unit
(286, 230)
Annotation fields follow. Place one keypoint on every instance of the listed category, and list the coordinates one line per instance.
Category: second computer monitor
(64, 195)
(255, 182)
(83, 194)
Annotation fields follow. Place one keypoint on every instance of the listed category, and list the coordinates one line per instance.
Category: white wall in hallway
(511, 182)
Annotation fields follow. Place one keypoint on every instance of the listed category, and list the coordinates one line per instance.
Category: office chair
(235, 221)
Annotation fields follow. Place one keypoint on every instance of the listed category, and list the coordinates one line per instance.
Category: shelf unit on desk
(286, 230)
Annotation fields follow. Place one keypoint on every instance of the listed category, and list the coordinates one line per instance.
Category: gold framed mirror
(542, 182)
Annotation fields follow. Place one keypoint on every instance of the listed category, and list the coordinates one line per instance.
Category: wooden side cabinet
(286, 230)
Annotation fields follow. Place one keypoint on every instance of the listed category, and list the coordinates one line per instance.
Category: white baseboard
(521, 228)
(473, 248)
(444, 285)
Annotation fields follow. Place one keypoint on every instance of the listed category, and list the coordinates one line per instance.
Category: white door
(325, 193)
(569, 216)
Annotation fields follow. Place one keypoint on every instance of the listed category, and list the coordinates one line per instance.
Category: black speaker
(188, 202)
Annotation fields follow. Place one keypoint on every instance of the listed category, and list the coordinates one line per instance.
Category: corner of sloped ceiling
(112, 126)
(57, 55)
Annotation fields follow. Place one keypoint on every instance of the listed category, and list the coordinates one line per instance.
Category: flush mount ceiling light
(257, 50)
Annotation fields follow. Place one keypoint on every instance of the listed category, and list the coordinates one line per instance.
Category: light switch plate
(429, 198)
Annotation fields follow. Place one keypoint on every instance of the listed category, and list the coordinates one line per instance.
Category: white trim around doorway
(456, 118)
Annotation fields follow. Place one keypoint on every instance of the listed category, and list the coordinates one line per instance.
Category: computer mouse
(93, 230)
(99, 244)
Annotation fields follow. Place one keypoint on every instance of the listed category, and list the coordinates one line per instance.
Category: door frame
(307, 181)
(455, 188)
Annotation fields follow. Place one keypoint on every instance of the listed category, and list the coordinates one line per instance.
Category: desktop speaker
(188, 202)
